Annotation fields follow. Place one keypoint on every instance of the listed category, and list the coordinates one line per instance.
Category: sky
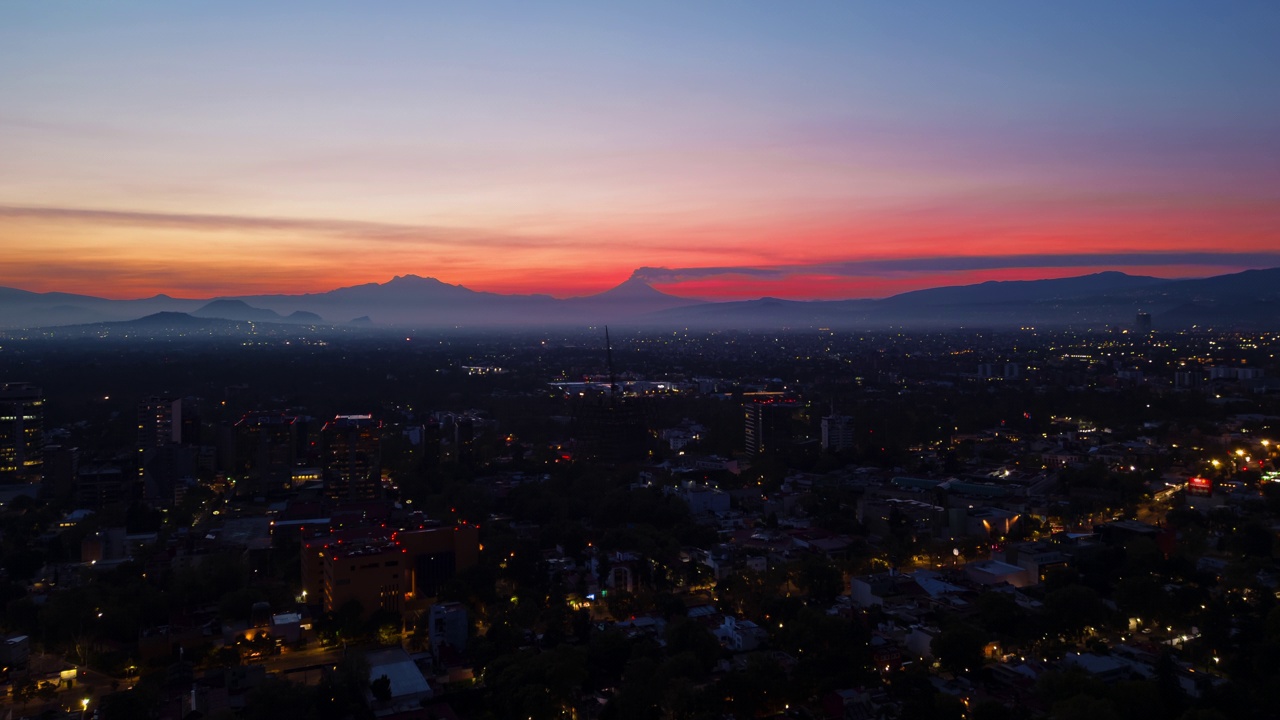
(722, 150)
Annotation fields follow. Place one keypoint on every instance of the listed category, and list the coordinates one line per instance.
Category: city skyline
(813, 152)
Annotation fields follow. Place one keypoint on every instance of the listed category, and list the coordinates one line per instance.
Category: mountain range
(1245, 300)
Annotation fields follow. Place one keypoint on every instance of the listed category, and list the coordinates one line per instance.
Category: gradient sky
(732, 149)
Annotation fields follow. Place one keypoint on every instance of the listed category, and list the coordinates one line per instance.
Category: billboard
(1200, 486)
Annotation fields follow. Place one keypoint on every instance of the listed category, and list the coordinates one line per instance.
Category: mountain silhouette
(228, 309)
(1249, 299)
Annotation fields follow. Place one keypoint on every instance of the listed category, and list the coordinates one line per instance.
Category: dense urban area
(803, 524)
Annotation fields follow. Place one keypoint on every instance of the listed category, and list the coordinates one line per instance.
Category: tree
(385, 625)
(991, 710)
(381, 688)
(539, 685)
(418, 638)
(126, 705)
(1141, 596)
(279, 699)
(607, 656)
(1085, 707)
(999, 614)
(820, 579)
(1073, 608)
(959, 647)
(931, 705)
(47, 691)
(23, 690)
(342, 624)
(685, 635)
(1253, 539)
(756, 690)
(238, 604)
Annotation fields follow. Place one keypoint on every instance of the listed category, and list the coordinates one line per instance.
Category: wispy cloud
(674, 275)
(359, 229)
(965, 263)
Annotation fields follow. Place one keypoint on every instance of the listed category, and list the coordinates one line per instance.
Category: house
(447, 626)
(740, 635)
(868, 590)
(994, 572)
(849, 705)
(920, 641)
(409, 688)
(287, 627)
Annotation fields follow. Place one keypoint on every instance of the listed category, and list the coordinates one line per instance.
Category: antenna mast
(613, 382)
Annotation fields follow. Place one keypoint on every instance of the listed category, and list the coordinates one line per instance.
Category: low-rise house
(740, 635)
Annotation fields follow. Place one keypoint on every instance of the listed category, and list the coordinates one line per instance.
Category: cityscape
(798, 523)
(820, 360)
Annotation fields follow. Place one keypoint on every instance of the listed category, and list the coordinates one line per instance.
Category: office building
(159, 422)
(767, 426)
(385, 569)
(1142, 324)
(21, 433)
(352, 457)
(376, 575)
(837, 433)
(266, 451)
(101, 485)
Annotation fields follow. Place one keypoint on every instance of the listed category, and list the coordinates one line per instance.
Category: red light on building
(1199, 486)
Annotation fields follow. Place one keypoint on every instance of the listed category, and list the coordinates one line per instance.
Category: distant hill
(237, 310)
(1024, 291)
(1249, 299)
(1246, 300)
(303, 317)
(177, 324)
(154, 325)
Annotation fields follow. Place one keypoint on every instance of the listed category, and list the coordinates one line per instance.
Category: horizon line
(679, 275)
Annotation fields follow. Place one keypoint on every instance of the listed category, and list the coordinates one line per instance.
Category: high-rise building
(837, 433)
(101, 485)
(159, 422)
(21, 432)
(1142, 325)
(159, 426)
(767, 426)
(61, 466)
(266, 451)
(464, 439)
(352, 457)
(431, 445)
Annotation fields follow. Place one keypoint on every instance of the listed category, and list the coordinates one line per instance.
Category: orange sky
(816, 151)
